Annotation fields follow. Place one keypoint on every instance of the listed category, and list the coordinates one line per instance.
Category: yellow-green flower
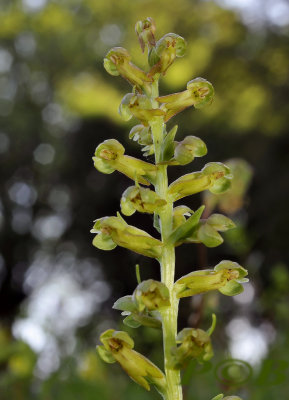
(113, 231)
(137, 198)
(118, 346)
(109, 156)
(227, 277)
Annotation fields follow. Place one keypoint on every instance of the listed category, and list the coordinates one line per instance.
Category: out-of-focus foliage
(56, 105)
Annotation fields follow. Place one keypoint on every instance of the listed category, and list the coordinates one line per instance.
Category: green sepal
(232, 288)
(208, 235)
(188, 149)
(125, 303)
(105, 355)
(110, 67)
(168, 145)
(135, 320)
(185, 230)
(103, 242)
(220, 222)
(102, 166)
(131, 321)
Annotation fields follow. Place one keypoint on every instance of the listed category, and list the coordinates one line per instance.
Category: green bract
(154, 304)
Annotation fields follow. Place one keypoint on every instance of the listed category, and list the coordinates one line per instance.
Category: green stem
(167, 262)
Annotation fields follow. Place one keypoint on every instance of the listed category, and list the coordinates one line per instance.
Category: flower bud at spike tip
(118, 346)
(145, 31)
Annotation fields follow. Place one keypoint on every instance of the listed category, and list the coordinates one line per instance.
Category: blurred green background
(57, 104)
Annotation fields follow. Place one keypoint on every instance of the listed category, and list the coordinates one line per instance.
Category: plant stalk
(167, 261)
